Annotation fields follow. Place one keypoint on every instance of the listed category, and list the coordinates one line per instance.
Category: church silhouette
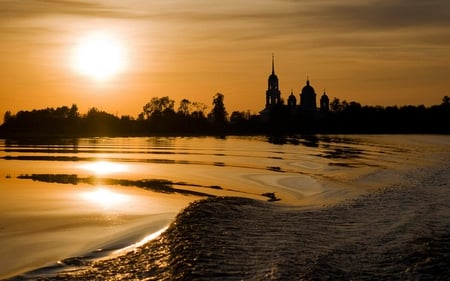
(307, 97)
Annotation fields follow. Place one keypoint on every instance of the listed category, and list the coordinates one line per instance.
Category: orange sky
(380, 52)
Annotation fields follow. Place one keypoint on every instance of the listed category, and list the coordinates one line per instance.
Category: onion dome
(308, 88)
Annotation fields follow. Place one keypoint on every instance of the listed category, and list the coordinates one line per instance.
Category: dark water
(400, 233)
(398, 229)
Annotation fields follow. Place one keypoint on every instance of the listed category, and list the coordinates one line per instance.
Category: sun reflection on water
(104, 167)
(105, 198)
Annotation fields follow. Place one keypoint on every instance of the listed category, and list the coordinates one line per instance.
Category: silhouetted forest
(159, 117)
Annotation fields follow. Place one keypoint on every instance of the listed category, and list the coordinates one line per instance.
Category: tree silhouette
(100, 123)
(198, 110)
(158, 107)
(185, 107)
(446, 101)
(219, 115)
(7, 116)
(335, 105)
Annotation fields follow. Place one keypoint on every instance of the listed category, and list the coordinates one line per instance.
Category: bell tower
(273, 95)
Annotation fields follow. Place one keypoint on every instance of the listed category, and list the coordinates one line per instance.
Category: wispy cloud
(15, 9)
(306, 20)
(384, 14)
(287, 15)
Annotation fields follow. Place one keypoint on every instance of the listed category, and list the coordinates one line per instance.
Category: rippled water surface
(87, 197)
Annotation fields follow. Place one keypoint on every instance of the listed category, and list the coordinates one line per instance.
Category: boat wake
(400, 232)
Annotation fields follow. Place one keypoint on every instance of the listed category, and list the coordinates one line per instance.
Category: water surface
(109, 193)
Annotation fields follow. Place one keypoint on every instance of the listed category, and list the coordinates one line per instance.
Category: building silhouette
(324, 102)
(307, 97)
(273, 94)
(292, 101)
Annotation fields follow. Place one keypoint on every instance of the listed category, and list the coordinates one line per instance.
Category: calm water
(90, 197)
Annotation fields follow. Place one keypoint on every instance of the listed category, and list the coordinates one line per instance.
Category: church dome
(308, 88)
(308, 98)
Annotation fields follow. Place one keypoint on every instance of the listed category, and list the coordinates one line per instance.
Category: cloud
(14, 9)
(375, 14)
(384, 14)
(303, 20)
(277, 16)
(289, 24)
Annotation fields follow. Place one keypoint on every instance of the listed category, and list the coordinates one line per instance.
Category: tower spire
(273, 64)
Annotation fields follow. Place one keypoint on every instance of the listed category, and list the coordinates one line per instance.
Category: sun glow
(104, 167)
(105, 198)
(99, 56)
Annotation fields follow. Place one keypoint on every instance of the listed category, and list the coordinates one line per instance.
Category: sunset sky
(379, 52)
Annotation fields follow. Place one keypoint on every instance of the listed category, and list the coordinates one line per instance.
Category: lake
(95, 197)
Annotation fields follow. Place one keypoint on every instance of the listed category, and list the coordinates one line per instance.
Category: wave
(401, 232)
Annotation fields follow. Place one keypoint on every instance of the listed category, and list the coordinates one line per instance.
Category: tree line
(351, 117)
(159, 117)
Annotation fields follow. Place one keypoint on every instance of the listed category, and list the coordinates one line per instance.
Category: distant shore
(160, 119)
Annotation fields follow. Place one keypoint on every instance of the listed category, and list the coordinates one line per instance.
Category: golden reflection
(140, 243)
(104, 167)
(105, 198)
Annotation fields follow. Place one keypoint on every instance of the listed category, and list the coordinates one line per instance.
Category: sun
(99, 56)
